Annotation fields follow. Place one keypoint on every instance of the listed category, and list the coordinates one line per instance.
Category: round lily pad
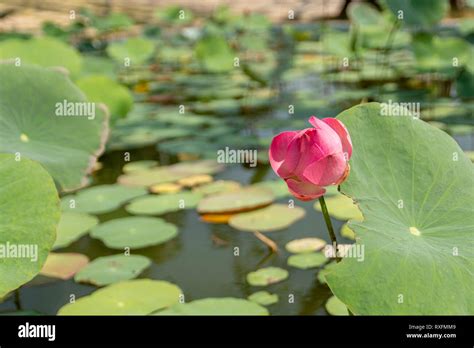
(45, 117)
(100, 199)
(235, 201)
(63, 265)
(263, 298)
(161, 204)
(307, 260)
(277, 187)
(133, 297)
(134, 232)
(195, 180)
(138, 50)
(305, 245)
(341, 207)
(29, 214)
(112, 269)
(139, 165)
(267, 276)
(214, 53)
(216, 306)
(166, 187)
(73, 226)
(169, 173)
(217, 187)
(334, 306)
(272, 218)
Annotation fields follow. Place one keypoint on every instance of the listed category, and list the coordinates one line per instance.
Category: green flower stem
(327, 219)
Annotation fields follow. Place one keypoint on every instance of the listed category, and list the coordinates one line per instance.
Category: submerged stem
(327, 219)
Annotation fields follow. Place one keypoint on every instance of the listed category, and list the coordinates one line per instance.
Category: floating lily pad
(63, 265)
(162, 204)
(305, 245)
(134, 232)
(139, 165)
(195, 180)
(346, 232)
(133, 297)
(334, 306)
(217, 187)
(419, 13)
(137, 50)
(267, 276)
(34, 224)
(277, 187)
(102, 89)
(111, 269)
(307, 260)
(216, 306)
(34, 123)
(235, 201)
(43, 51)
(73, 226)
(263, 298)
(417, 230)
(170, 173)
(165, 188)
(272, 218)
(214, 53)
(341, 207)
(100, 199)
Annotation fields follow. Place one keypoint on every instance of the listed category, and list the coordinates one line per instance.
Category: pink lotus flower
(313, 158)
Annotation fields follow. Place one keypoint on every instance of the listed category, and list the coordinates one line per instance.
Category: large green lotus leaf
(63, 265)
(235, 201)
(29, 213)
(73, 226)
(67, 146)
(272, 218)
(112, 269)
(216, 306)
(415, 187)
(134, 232)
(419, 13)
(43, 51)
(100, 199)
(214, 53)
(162, 204)
(263, 298)
(341, 207)
(133, 297)
(267, 276)
(307, 260)
(102, 89)
(137, 49)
